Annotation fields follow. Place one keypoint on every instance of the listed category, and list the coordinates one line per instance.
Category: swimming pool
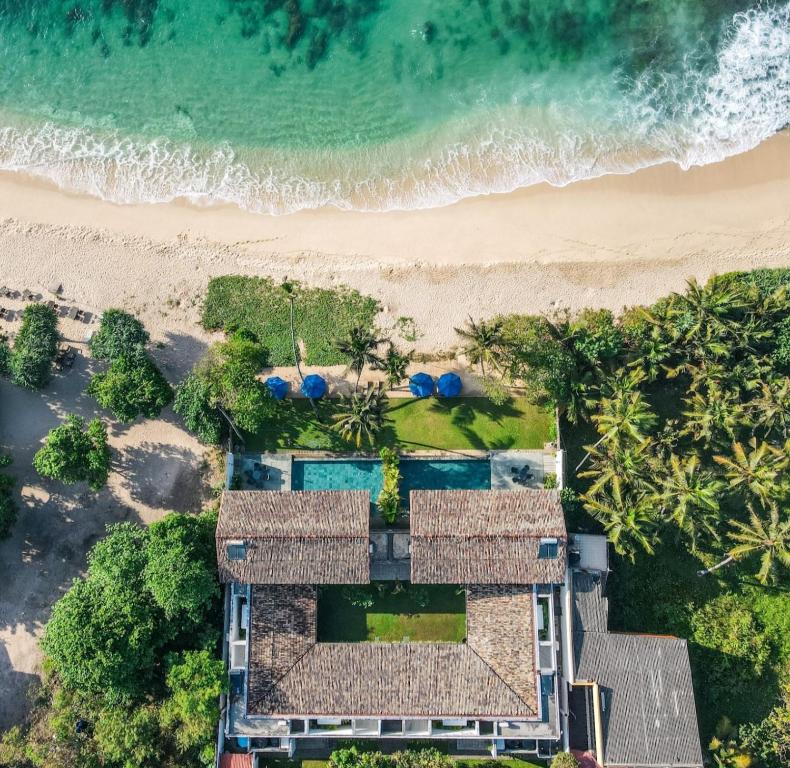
(365, 474)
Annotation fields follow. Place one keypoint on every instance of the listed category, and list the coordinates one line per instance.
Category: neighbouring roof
(233, 760)
(649, 714)
(485, 537)
(294, 537)
(291, 675)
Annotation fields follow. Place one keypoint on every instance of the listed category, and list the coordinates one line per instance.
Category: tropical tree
(35, 347)
(132, 386)
(769, 538)
(194, 403)
(72, 453)
(483, 340)
(713, 416)
(756, 471)
(770, 412)
(627, 519)
(120, 334)
(363, 417)
(290, 290)
(394, 365)
(360, 348)
(624, 467)
(690, 498)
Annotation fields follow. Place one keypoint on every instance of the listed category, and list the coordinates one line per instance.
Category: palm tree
(757, 471)
(770, 538)
(691, 497)
(771, 410)
(363, 417)
(483, 342)
(289, 289)
(625, 417)
(623, 467)
(394, 365)
(713, 415)
(628, 521)
(360, 348)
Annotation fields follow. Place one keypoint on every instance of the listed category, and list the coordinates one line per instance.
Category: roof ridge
(288, 671)
(500, 678)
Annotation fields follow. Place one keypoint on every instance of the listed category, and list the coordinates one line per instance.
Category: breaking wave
(691, 119)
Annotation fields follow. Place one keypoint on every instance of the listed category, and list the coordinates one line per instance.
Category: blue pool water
(418, 474)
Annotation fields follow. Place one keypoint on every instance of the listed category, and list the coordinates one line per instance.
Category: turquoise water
(279, 105)
(418, 474)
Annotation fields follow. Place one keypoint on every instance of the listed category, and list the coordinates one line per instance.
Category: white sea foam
(746, 100)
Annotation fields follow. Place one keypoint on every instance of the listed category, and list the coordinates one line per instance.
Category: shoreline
(608, 242)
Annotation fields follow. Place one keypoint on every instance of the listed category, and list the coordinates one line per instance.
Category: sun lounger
(27, 295)
(72, 313)
(4, 291)
(3, 313)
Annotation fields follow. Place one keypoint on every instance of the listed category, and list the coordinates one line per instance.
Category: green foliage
(781, 353)
(359, 348)
(72, 454)
(129, 737)
(362, 418)
(130, 657)
(564, 760)
(388, 502)
(482, 342)
(195, 680)
(550, 481)
(421, 758)
(132, 386)
(735, 645)
(193, 402)
(35, 347)
(102, 639)
(261, 306)
(181, 567)
(394, 365)
(8, 510)
(120, 335)
(5, 355)
(229, 373)
(495, 389)
(355, 758)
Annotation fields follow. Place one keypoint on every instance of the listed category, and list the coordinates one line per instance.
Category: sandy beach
(610, 242)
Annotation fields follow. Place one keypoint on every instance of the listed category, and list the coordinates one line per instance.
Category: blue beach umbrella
(313, 386)
(449, 385)
(277, 387)
(421, 385)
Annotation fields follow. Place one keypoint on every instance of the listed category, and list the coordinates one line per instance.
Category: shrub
(129, 737)
(8, 509)
(120, 334)
(550, 481)
(5, 356)
(35, 347)
(132, 386)
(388, 501)
(564, 760)
(72, 453)
(193, 404)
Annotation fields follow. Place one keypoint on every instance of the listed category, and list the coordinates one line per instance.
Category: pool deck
(537, 464)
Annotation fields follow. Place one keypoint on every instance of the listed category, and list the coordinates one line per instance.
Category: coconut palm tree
(690, 498)
(757, 471)
(289, 289)
(712, 416)
(394, 365)
(626, 467)
(770, 538)
(624, 417)
(363, 417)
(628, 520)
(770, 411)
(483, 342)
(360, 348)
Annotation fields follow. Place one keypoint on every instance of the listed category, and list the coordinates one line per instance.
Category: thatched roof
(492, 675)
(294, 537)
(485, 537)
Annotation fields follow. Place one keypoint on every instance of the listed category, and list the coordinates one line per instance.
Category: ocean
(283, 105)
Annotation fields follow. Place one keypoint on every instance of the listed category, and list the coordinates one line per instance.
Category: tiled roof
(650, 718)
(292, 675)
(295, 537)
(485, 537)
(499, 628)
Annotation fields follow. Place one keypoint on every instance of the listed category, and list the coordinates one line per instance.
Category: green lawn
(425, 613)
(260, 305)
(454, 424)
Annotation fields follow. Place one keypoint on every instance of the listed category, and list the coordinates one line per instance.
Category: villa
(483, 624)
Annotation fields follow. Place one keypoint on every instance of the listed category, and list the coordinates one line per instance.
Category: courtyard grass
(424, 613)
(260, 305)
(453, 424)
